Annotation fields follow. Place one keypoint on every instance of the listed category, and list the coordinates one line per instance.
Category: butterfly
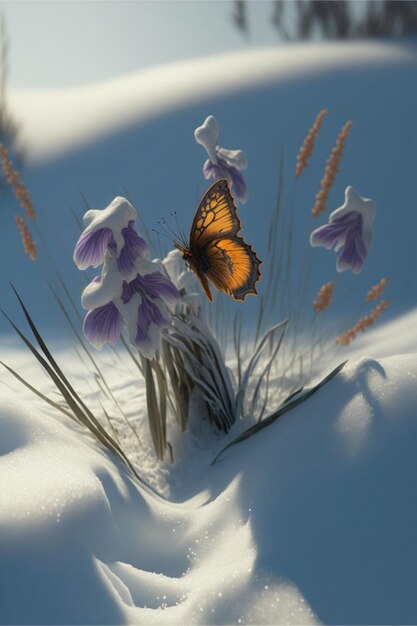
(215, 251)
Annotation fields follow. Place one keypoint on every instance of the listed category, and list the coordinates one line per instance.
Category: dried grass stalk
(29, 245)
(332, 167)
(324, 297)
(361, 325)
(377, 290)
(205, 368)
(13, 179)
(306, 149)
(156, 410)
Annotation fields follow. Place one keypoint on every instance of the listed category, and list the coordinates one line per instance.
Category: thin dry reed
(308, 145)
(13, 179)
(29, 245)
(361, 325)
(332, 167)
(323, 298)
(377, 290)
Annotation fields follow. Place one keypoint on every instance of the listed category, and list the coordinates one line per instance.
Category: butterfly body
(215, 251)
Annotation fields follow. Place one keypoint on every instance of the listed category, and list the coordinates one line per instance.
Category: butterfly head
(187, 255)
(184, 251)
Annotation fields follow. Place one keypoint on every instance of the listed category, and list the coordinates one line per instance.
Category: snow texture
(312, 520)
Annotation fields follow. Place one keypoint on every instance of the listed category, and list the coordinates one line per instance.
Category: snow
(115, 217)
(50, 127)
(312, 520)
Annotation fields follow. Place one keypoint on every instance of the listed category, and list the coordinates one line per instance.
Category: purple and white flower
(103, 322)
(146, 302)
(349, 230)
(142, 305)
(130, 292)
(222, 163)
(110, 231)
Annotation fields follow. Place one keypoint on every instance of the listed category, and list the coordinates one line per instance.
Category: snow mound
(56, 120)
(312, 520)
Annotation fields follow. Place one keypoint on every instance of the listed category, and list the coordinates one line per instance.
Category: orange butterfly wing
(216, 215)
(217, 252)
(233, 267)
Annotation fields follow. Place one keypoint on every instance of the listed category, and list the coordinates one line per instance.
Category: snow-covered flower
(349, 230)
(142, 305)
(183, 278)
(222, 163)
(103, 322)
(131, 291)
(146, 307)
(110, 230)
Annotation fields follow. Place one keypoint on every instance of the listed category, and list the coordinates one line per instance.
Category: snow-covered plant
(131, 291)
(156, 309)
(157, 304)
(222, 163)
(349, 230)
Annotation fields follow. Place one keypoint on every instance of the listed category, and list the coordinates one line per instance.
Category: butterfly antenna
(181, 233)
(169, 230)
(165, 232)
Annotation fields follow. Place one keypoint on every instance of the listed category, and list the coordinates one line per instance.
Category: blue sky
(58, 44)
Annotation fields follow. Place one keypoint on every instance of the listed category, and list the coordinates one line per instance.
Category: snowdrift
(312, 520)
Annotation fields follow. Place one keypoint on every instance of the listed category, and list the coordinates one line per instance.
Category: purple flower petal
(333, 234)
(213, 170)
(222, 170)
(353, 254)
(238, 184)
(154, 285)
(149, 314)
(128, 291)
(344, 233)
(157, 285)
(103, 325)
(134, 246)
(91, 247)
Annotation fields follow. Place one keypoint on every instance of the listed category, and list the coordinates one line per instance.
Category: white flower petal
(110, 287)
(90, 216)
(187, 280)
(115, 216)
(354, 202)
(173, 264)
(235, 158)
(207, 136)
(129, 312)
